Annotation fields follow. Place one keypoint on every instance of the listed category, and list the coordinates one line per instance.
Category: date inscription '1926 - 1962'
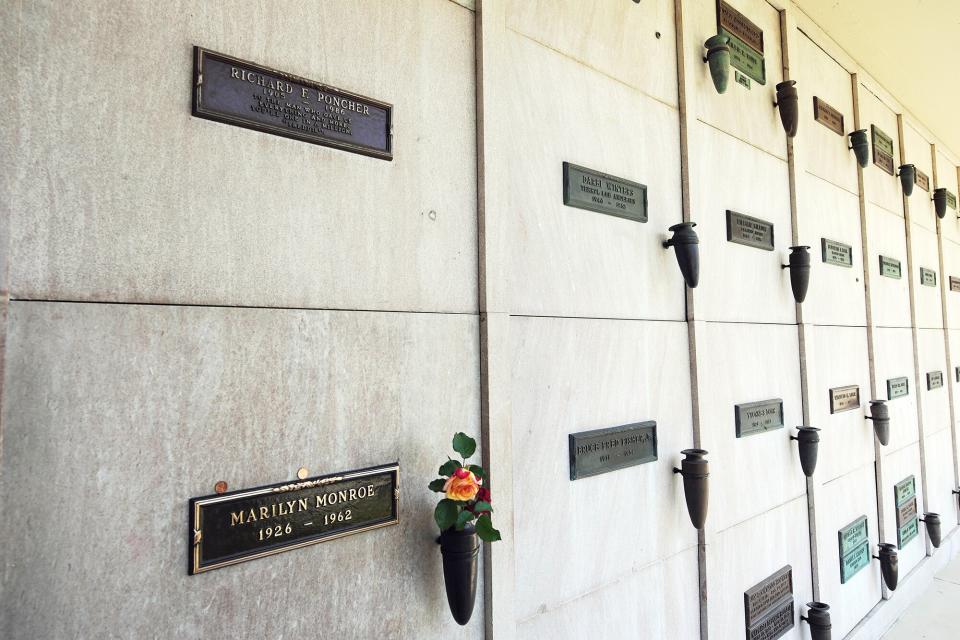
(227, 89)
(252, 523)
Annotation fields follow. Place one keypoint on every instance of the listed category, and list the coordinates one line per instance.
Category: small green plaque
(951, 200)
(889, 267)
(746, 58)
(837, 253)
(854, 561)
(904, 490)
(853, 535)
(897, 387)
(928, 277)
(906, 533)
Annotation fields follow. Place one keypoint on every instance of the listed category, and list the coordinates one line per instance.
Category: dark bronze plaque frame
(295, 491)
(371, 134)
(766, 600)
(934, 380)
(881, 156)
(609, 183)
(762, 228)
(836, 253)
(905, 499)
(828, 116)
(625, 446)
(740, 417)
(892, 383)
(889, 266)
(740, 26)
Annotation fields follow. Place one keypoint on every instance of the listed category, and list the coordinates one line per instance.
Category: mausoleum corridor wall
(188, 298)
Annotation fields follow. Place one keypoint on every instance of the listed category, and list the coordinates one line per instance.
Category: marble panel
(893, 358)
(917, 151)
(928, 303)
(932, 357)
(889, 297)
(839, 502)
(836, 293)
(947, 177)
(951, 269)
(738, 364)
(568, 261)
(572, 375)
(880, 188)
(838, 357)
(737, 282)
(115, 415)
(609, 38)
(897, 466)
(938, 461)
(153, 205)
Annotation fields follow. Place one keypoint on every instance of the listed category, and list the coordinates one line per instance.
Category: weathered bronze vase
(787, 103)
(799, 272)
(940, 201)
(860, 146)
(459, 550)
(880, 414)
(908, 176)
(888, 564)
(685, 244)
(932, 522)
(718, 58)
(808, 441)
(695, 471)
(818, 617)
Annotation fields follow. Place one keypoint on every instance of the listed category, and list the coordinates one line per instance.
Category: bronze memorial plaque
(922, 180)
(758, 417)
(601, 192)
(954, 283)
(749, 231)
(934, 380)
(905, 497)
(928, 277)
(746, 42)
(740, 26)
(854, 548)
(889, 267)
(834, 252)
(827, 116)
(252, 523)
(844, 398)
(882, 149)
(897, 387)
(768, 606)
(602, 450)
(234, 91)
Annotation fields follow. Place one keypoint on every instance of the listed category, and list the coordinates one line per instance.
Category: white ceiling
(911, 47)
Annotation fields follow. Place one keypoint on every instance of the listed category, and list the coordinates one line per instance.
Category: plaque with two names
(882, 149)
(768, 606)
(854, 548)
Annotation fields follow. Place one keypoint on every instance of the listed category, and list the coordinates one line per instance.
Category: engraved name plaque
(889, 267)
(234, 91)
(768, 606)
(827, 116)
(844, 398)
(854, 548)
(934, 380)
(882, 149)
(904, 490)
(746, 41)
(588, 189)
(951, 200)
(252, 523)
(905, 497)
(758, 417)
(928, 277)
(837, 253)
(954, 283)
(922, 180)
(897, 388)
(603, 450)
(749, 231)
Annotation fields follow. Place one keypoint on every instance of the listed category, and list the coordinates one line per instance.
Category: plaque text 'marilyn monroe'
(749, 231)
(828, 116)
(844, 398)
(934, 380)
(889, 267)
(882, 149)
(928, 277)
(837, 253)
(588, 189)
(765, 606)
(758, 417)
(227, 89)
(854, 548)
(897, 387)
(251, 523)
(602, 450)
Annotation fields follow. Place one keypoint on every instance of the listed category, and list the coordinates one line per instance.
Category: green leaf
(464, 444)
(478, 471)
(464, 517)
(485, 529)
(448, 467)
(437, 485)
(482, 505)
(446, 514)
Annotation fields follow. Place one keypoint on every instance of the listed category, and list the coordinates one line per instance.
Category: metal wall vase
(888, 564)
(695, 471)
(685, 244)
(860, 146)
(808, 441)
(932, 522)
(788, 104)
(908, 176)
(799, 266)
(940, 202)
(880, 414)
(459, 550)
(718, 58)
(818, 617)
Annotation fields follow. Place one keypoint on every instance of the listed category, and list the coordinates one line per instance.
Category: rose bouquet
(467, 501)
